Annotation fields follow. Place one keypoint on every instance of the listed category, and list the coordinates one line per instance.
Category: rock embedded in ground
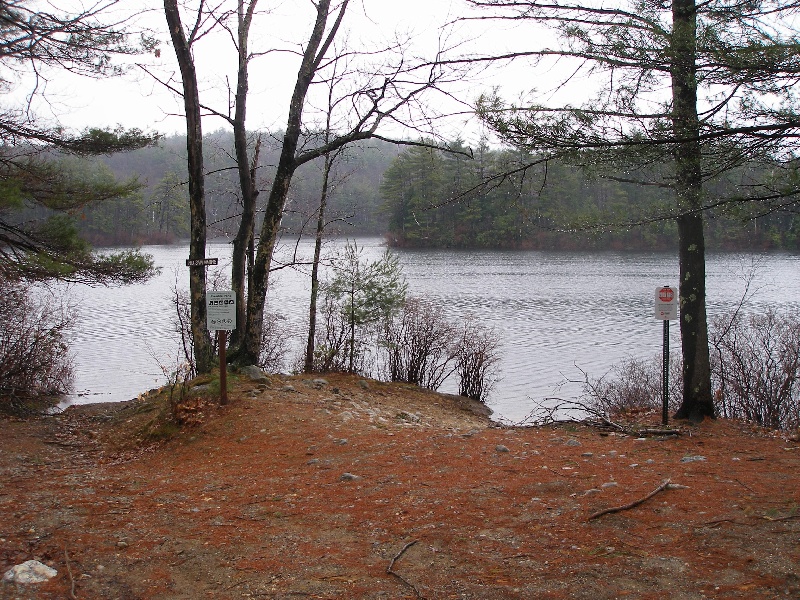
(254, 373)
(29, 572)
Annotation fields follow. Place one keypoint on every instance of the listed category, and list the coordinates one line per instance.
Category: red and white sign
(666, 303)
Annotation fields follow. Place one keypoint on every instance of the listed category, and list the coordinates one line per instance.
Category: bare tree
(381, 99)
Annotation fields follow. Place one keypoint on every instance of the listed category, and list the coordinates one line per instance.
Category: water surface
(558, 314)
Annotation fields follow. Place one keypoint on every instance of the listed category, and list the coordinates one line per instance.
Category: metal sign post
(221, 316)
(666, 310)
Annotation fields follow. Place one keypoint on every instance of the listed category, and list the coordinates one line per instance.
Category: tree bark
(308, 367)
(250, 348)
(247, 174)
(197, 204)
(697, 398)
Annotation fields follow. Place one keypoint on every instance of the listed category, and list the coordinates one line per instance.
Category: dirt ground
(352, 489)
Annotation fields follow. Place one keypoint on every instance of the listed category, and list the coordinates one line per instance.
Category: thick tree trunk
(197, 204)
(697, 398)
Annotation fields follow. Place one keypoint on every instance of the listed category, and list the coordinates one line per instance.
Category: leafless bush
(420, 345)
(756, 364)
(34, 330)
(477, 360)
(635, 384)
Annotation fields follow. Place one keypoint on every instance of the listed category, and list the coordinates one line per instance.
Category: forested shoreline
(422, 198)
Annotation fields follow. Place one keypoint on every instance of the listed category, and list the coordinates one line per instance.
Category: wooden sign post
(221, 317)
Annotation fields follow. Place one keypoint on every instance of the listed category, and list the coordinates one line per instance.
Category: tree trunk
(697, 398)
(197, 203)
(250, 348)
(308, 367)
(247, 176)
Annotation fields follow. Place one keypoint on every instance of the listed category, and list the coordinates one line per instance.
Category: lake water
(556, 313)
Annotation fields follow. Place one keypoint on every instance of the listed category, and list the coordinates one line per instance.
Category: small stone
(313, 461)
(364, 384)
(341, 442)
(609, 484)
(588, 454)
(319, 382)
(122, 544)
(591, 491)
(501, 448)
(573, 443)
(349, 477)
(688, 459)
(288, 388)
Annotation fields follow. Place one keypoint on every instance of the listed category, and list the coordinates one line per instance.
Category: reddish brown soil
(254, 502)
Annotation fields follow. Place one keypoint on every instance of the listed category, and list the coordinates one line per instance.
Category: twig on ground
(615, 509)
(71, 578)
(390, 569)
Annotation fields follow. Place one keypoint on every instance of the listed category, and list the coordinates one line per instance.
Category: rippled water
(556, 313)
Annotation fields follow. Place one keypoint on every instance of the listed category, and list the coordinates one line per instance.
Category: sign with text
(221, 310)
(200, 262)
(666, 303)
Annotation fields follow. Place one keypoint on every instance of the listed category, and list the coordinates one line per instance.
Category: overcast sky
(137, 100)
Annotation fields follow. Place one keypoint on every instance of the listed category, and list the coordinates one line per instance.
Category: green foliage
(435, 200)
(362, 294)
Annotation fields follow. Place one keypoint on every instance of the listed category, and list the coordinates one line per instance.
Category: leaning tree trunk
(697, 398)
(197, 203)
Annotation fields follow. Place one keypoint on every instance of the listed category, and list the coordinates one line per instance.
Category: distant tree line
(159, 212)
(436, 199)
(423, 197)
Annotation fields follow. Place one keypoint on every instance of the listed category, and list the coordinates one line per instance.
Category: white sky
(136, 100)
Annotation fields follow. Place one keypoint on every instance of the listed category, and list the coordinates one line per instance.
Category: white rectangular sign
(666, 303)
(221, 310)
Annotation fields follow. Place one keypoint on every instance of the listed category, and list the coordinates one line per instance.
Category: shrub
(420, 345)
(756, 364)
(34, 356)
(477, 361)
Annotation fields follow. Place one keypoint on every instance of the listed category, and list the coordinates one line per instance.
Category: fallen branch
(615, 509)
(390, 569)
(71, 578)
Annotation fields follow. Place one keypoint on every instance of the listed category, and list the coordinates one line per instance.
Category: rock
(688, 459)
(31, 571)
(364, 384)
(319, 383)
(501, 448)
(254, 374)
(609, 484)
(349, 477)
(288, 388)
(573, 443)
